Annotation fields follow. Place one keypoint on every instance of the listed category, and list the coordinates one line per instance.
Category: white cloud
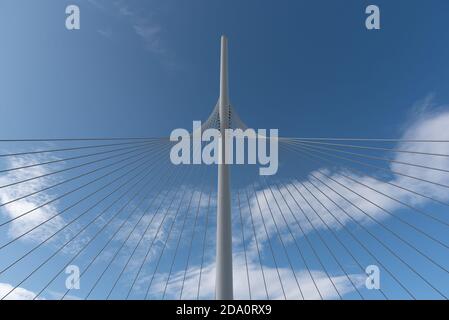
(17, 294)
(427, 127)
(433, 126)
(16, 209)
(146, 28)
(207, 289)
(150, 35)
(105, 33)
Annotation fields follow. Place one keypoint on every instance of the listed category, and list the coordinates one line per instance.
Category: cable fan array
(137, 227)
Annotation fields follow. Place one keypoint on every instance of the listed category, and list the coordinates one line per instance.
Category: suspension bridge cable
(59, 213)
(335, 237)
(371, 234)
(374, 157)
(291, 233)
(111, 219)
(157, 233)
(367, 147)
(83, 213)
(322, 239)
(62, 182)
(377, 167)
(257, 244)
(296, 243)
(204, 242)
(76, 177)
(244, 244)
(371, 140)
(64, 170)
(180, 236)
(293, 238)
(397, 236)
(92, 239)
(51, 256)
(310, 243)
(66, 194)
(404, 221)
(190, 244)
(134, 228)
(80, 139)
(269, 242)
(112, 237)
(420, 211)
(283, 244)
(33, 165)
(148, 251)
(134, 250)
(25, 153)
(63, 228)
(386, 182)
(166, 241)
(348, 231)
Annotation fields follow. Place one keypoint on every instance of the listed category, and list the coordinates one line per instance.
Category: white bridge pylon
(223, 117)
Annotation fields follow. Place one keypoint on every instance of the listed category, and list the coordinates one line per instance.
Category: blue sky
(314, 61)
(309, 68)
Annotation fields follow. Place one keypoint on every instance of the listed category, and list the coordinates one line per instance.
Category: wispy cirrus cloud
(356, 187)
(27, 213)
(290, 197)
(427, 126)
(275, 291)
(144, 26)
(17, 294)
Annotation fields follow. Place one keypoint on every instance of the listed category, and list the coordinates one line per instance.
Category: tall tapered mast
(224, 286)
